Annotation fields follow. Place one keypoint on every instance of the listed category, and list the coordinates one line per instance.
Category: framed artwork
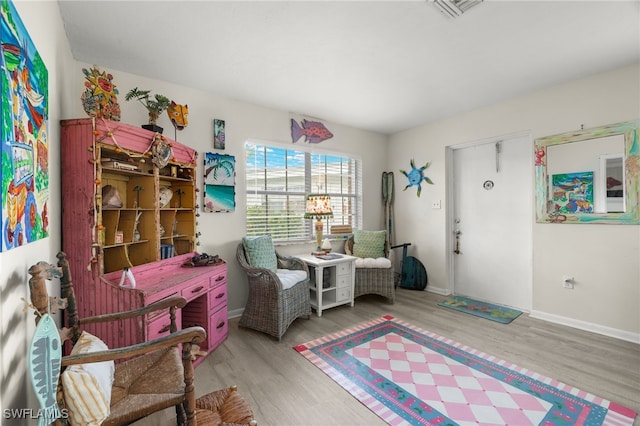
(609, 151)
(219, 183)
(572, 192)
(25, 135)
(218, 133)
(100, 95)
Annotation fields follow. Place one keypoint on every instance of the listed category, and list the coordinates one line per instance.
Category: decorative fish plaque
(45, 354)
(313, 131)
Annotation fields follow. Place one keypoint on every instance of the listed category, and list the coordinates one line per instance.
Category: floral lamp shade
(318, 207)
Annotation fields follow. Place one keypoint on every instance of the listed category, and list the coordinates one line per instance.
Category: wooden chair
(271, 308)
(374, 280)
(154, 376)
(224, 407)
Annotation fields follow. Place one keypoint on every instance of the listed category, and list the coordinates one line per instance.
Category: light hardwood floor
(286, 389)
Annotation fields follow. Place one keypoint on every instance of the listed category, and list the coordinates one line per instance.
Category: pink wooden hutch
(148, 235)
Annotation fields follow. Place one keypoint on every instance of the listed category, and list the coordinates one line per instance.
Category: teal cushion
(260, 252)
(369, 243)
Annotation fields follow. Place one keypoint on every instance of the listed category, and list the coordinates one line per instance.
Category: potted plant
(154, 104)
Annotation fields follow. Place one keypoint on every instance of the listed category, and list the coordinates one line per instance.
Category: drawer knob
(220, 325)
(165, 328)
(195, 290)
(220, 278)
(219, 296)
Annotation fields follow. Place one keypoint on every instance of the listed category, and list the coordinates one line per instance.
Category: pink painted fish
(313, 131)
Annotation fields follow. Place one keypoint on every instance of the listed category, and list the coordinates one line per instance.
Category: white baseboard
(236, 313)
(558, 319)
(587, 326)
(440, 291)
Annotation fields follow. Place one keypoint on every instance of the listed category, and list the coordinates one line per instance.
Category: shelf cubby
(116, 258)
(142, 253)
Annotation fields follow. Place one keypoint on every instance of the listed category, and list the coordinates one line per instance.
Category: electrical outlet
(436, 204)
(567, 282)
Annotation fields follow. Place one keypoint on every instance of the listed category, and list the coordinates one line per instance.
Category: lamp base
(319, 234)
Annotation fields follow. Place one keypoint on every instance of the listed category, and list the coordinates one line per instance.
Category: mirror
(589, 176)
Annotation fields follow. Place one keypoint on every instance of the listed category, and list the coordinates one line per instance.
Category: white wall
(604, 259)
(221, 232)
(42, 21)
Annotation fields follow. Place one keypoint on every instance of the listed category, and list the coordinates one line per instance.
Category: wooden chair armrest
(169, 302)
(191, 335)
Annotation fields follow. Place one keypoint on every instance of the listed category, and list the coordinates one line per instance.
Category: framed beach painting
(219, 183)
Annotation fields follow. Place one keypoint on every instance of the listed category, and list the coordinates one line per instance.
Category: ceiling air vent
(455, 8)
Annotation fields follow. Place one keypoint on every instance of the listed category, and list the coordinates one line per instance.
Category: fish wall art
(313, 131)
(44, 357)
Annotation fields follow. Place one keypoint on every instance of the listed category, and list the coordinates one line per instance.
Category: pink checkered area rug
(410, 376)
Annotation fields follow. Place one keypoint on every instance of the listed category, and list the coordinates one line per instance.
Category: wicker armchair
(271, 308)
(158, 374)
(373, 280)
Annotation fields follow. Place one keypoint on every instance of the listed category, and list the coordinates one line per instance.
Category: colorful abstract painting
(572, 192)
(218, 133)
(24, 135)
(219, 183)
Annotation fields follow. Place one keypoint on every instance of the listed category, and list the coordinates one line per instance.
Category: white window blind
(278, 181)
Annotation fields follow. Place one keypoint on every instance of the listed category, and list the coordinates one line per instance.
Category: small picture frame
(219, 183)
(572, 192)
(218, 134)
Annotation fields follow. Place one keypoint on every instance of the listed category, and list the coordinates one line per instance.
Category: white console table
(331, 281)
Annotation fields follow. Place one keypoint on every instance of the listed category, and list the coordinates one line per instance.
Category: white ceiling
(384, 66)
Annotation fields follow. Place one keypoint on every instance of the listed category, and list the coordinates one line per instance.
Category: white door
(492, 221)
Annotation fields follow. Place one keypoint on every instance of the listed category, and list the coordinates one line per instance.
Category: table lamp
(318, 207)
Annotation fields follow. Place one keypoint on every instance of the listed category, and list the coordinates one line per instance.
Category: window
(279, 179)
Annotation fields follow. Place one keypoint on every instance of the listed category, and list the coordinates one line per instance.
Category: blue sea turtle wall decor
(416, 177)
